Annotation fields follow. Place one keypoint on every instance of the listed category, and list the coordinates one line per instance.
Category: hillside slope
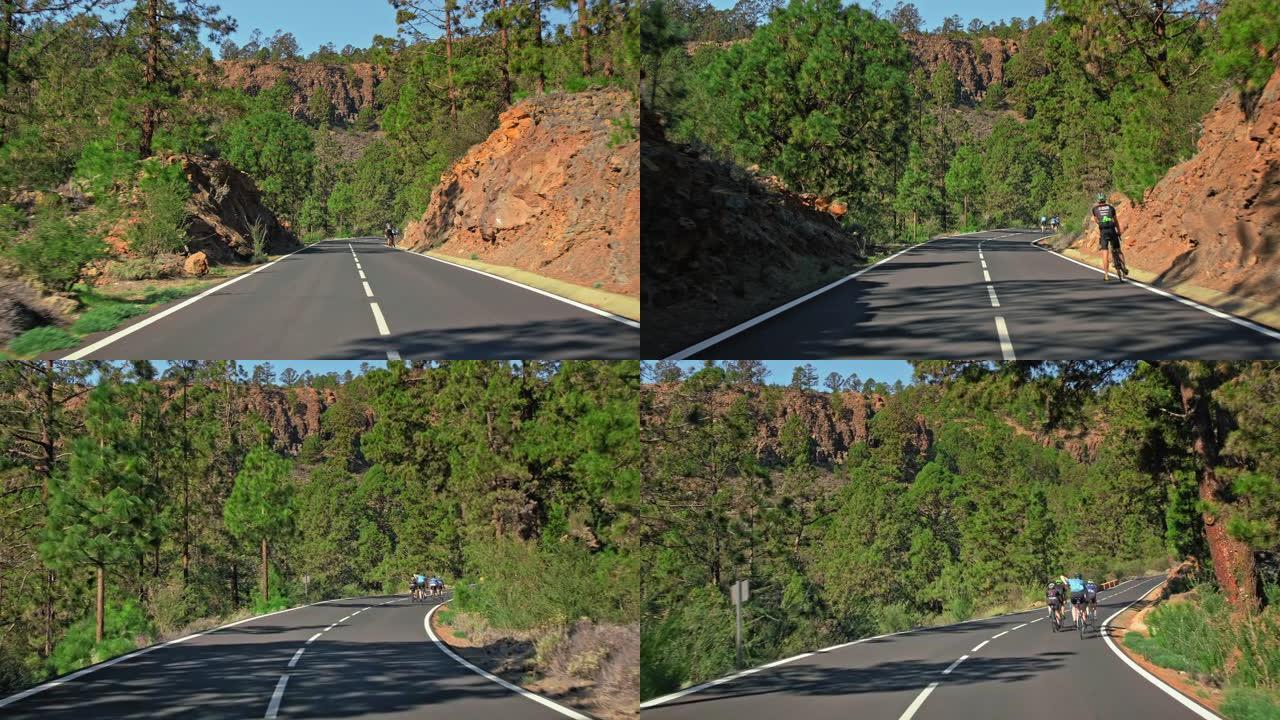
(1214, 221)
(555, 190)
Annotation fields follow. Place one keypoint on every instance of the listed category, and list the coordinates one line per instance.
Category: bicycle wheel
(1080, 623)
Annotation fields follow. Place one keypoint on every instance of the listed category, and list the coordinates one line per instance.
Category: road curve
(358, 299)
(364, 657)
(1014, 667)
(991, 294)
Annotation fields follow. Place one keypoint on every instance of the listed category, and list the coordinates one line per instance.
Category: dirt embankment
(1213, 222)
(721, 245)
(554, 191)
(348, 87)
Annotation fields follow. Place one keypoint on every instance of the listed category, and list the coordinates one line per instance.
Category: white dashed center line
(979, 646)
(915, 704)
(1020, 626)
(953, 665)
(362, 277)
(296, 655)
(368, 291)
(1006, 345)
(377, 317)
(274, 707)
(993, 637)
(314, 637)
(995, 301)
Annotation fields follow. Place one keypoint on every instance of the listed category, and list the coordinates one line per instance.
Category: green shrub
(139, 269)
(258, 233)
(14, 674)
(103, 165)
(42, 339)
(56, 251)
(694, 642)
(176, 606)
(1250, 704)
(1192, 630)
(163, 225)
(105, 317)
(895, 618)
(124, 626)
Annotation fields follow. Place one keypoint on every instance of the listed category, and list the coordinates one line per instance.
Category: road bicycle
(1055, 622)
(1087, 617)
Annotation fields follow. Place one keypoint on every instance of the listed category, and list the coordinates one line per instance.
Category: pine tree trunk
(537, 42)
(47, 445)
(150, 75)
(448, 63)
(584, 33)
(1233, 561)
(186, 502)
(6, 50)
(235, 587)
(265, 589)
(506, 55)
(102, 598)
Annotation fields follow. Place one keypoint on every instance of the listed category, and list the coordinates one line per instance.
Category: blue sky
(316, 22)
(933, 11)
(886, 371)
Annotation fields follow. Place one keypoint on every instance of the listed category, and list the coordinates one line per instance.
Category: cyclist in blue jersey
(1075, 586)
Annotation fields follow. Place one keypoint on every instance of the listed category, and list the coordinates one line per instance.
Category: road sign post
(740, 592)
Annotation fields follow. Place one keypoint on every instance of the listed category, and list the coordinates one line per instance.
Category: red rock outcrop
(1214, 220)
(349, 87)
(978, 63)
(555, 190)
(224, 203)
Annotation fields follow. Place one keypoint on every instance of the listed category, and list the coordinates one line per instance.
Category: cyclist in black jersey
(1104, 213)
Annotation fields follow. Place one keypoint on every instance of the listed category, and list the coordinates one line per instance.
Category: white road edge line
(277, 696)
(1273, 334)
(81, 353)
(979, 646)
(297, 655)
(748, 324)
(953, 665)
(530, 288)
(1006, 345)
(377, 317)
(368, 291)
(915, 704)
(567, 712)
(1187, 702)
(113, 661)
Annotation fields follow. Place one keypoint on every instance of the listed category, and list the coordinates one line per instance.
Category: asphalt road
(358, 299)
(990, 295)
(361, 658)
(1021, 669)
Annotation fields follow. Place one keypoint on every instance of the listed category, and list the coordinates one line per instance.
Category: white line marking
(368, 291)
(1037, 620)
(377, 317)
(362, 277)
(986, 276)
(746, 325)
(113, 661)
(1006, 345)
(274, 707)
(993, 637)
(984, 264)
(330, 627)
(953, 665)
(297, 655)
(1273, 334)
(346, 618)
(530, 288)
(314, 637)
(979, 646)
(81, 353)
(1019, 627)
(426, 624)
(915, 704)
(775, 663)
(393, 355)
(995, 301)
(1187, 702)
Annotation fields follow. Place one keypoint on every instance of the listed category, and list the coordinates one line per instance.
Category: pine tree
(260, 508)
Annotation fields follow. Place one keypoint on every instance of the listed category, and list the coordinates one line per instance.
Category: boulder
(196, 265)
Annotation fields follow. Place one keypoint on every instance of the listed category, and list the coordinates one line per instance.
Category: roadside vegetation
(1097, 98)
(171, 486)
(865, 508)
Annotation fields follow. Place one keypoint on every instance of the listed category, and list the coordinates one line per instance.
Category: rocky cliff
(349, 87)
(978, 63)
(555, 190)
(1214, 220)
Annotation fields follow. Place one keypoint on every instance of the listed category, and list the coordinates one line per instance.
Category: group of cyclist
(421, 586)
(1049, 223)
(1083, 595)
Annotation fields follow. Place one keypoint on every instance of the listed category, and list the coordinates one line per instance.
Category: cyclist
(1053, 598)
(436, 585)
(1044, 222)
(1054, 222)
(1091, 598)
(417, 585)
(390, 234)
(1108, 237)
(1075, 586)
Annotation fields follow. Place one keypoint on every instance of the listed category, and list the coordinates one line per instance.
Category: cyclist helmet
(1101, 197)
